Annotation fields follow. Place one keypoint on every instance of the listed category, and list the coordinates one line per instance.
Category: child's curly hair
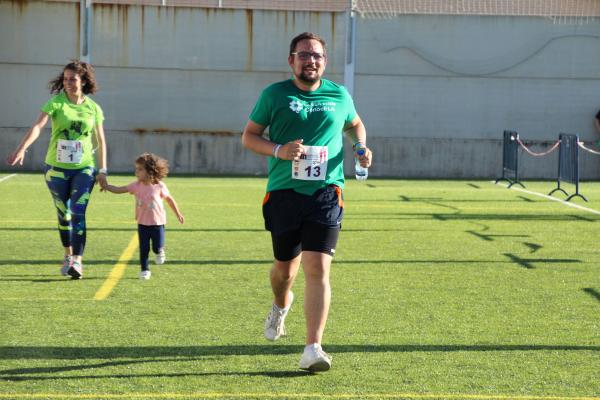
(156, 167)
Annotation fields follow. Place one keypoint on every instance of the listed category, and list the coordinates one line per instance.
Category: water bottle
(360, 172)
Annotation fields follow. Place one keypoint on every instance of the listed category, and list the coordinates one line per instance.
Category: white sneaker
(75, 270)
(145, 275)
(64, 270)
(160, 257)
(275, 323)
(314, 359)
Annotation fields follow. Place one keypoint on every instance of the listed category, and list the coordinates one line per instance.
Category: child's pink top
(149, 207)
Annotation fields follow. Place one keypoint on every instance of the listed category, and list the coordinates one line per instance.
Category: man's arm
(252, 139)
(357, 133)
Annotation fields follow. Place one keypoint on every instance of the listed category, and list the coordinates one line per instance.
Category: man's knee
(316, 266)
(286, 270)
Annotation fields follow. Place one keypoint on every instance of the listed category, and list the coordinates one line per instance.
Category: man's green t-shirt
(71, 145)
(318, 118)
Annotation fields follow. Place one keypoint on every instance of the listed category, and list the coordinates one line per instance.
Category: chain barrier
(582, 145)
(554, 147)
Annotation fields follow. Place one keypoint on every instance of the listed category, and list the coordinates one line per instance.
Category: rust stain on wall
(315, 18)
(20, 4)
(250, 38)
(119, 14)
(143, 22)
(195, 132)
(78, 51)
(332, 47)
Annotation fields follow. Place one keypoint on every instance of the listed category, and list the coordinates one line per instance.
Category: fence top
(536, 8)
(284, 5)
(581, 9)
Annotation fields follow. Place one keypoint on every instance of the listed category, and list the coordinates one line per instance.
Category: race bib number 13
(312, 165)
(69, 151)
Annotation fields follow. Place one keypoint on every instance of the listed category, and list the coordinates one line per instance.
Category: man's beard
(306, 79)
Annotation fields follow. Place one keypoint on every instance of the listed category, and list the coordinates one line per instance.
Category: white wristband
(276, 151)
(103, 171)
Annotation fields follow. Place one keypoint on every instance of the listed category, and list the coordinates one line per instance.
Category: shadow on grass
(526, 199)
(135, 262)
(490, 237)
(159, 354)
(191, 352)
(471, 217)
(592, 292)
(54, 262)
(269, 374)
(174, 229)
(47, 280)
(528, 262)
(262, 262)
(24, 374)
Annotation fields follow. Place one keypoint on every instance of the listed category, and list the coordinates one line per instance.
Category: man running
(303, 207)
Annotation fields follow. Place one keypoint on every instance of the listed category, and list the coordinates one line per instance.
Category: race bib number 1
(312, 165)
(69, 151)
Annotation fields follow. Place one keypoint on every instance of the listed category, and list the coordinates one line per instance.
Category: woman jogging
(70, 169)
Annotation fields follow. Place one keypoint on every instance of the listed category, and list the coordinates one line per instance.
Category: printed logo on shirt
(298, 106)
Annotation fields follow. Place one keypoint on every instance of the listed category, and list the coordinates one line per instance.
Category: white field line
(545, 196)
(7, 177)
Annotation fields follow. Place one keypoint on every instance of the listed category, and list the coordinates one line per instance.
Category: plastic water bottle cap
(360, 152)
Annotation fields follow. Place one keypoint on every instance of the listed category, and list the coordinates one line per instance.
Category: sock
(315, 346)
(284, 309)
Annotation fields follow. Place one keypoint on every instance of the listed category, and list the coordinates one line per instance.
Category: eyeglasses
(307, 55)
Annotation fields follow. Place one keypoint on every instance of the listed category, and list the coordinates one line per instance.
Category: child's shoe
(160, 257)
(145, 275)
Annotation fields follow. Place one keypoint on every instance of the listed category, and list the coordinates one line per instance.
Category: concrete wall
(435, 92)
(449, 85)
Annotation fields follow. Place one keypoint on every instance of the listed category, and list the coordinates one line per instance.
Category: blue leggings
(71, 189)
(147, 233)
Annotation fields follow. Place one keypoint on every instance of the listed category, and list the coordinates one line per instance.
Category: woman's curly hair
(86, 73)
(156, 167)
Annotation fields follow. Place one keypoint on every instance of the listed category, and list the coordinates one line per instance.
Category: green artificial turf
(441, 289)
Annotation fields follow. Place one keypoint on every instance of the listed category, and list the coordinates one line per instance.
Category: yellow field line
(118, 270)
(233, 395)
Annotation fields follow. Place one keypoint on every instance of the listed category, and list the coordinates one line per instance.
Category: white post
(350, 61)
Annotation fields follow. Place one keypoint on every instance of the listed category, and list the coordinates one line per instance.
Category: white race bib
(69, 151)
(312, 165)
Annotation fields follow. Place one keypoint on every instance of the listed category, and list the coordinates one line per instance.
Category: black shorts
(299, 222)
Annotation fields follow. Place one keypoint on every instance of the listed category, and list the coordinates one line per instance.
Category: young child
(149, 191)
